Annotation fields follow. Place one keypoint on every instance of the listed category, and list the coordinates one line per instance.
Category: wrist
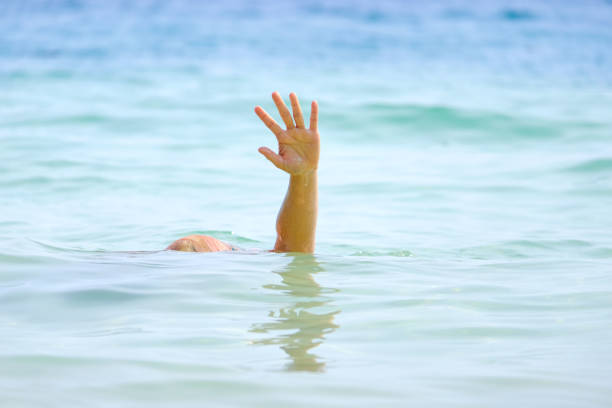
(303, 179)
(304, 174)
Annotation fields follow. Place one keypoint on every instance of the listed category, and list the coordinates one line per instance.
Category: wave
(507, 14)
(56, 248)
(512, 14)
(144, 257)
(393, 253)
(107, 122)
(447, 123)
(17, 259)
(592, 166)
(103, 295)
(532, 248)
(76, 182)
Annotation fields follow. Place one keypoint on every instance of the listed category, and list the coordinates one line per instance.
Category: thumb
(273, 157)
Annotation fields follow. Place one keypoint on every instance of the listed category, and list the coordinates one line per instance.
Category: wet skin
(199, 243)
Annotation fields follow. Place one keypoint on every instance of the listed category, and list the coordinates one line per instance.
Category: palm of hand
(298, 147)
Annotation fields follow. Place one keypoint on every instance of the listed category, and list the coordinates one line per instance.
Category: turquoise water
(464, 251)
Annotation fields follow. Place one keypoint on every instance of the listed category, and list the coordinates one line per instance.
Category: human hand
(298, 147)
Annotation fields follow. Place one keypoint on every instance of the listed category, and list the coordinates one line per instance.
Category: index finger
(268, 121)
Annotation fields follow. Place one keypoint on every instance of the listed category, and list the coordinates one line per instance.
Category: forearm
(297, 218)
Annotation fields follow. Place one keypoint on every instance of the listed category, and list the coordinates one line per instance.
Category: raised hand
(298, 147)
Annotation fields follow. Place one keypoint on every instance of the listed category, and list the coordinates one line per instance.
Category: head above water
(199, 243)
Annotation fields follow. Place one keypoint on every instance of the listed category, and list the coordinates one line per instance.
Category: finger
(314, 115)
(270, 155)
(297, 111)
(282, 109)
(268, 121)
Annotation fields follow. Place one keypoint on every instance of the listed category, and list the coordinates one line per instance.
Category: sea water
(464, 244)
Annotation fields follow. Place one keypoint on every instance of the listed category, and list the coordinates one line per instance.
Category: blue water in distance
(464, 246)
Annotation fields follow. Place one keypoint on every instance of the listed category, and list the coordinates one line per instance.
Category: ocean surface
(464, 245)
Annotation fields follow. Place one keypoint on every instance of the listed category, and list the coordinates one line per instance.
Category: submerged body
(298, 155)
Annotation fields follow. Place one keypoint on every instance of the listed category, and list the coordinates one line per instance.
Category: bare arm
(298, 155)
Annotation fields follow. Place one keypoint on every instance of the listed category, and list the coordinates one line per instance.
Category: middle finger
(282, 109)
